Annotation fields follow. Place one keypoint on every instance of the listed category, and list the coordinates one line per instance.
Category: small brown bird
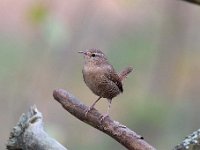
(100, 76)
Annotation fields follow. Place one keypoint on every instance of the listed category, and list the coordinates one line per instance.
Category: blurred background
(39, 40)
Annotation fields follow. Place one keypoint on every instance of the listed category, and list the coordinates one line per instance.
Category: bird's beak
(82, 52)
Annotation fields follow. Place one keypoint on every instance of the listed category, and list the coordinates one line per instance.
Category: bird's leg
(108, 110)
(92, 106)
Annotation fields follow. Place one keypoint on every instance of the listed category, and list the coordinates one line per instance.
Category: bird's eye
(93, 55)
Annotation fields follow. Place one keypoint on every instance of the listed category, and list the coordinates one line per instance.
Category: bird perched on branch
(100, 76)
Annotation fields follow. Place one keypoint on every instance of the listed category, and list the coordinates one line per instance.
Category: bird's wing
(113, 76)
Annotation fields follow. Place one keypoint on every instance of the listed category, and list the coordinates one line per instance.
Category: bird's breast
(92, 77)
(98, 82)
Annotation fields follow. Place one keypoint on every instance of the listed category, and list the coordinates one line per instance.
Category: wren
(100, 76)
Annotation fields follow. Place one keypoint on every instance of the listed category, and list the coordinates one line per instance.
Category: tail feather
(124, 73)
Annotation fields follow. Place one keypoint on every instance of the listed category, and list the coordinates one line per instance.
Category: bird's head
(94, 56)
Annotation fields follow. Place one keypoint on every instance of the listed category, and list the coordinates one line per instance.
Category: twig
(193, 1)
(119, 132)
(29, 134)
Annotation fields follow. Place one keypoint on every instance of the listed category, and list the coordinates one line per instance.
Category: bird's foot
(120, 125)
(102, 117)
(87, 110)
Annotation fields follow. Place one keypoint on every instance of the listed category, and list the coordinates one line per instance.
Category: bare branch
(193, 1)
(119, 132)
(29, 134)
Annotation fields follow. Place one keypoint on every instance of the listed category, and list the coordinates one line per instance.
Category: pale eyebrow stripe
(97, 54)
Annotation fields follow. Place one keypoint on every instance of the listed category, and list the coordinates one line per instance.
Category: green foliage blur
(39, 41)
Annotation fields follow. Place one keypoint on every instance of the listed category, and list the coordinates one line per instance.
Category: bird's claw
(87, 110)
(102, 117)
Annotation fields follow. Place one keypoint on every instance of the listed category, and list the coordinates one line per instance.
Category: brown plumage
(100, 76)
